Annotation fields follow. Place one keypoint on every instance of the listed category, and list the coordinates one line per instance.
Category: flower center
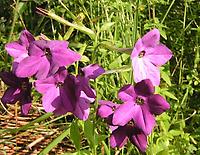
(113, 108)
(24, 86)
(139, 100)
(47, 53)
(141, 54)
(59, 84)
(131, 123)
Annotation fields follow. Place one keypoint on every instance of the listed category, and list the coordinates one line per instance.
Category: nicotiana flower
(147, 55)
(140, 104)
(45, 58)
(64, 92)
(19, 90)
(120, 134)
(19, 49)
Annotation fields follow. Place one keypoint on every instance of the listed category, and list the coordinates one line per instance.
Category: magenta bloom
(140, 105)
(45, 58)
(64, 92)
(121, 134)
(19, 90)
(19, 49)
(147, 55)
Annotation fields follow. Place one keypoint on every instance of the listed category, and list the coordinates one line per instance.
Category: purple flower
(64, 92)
(140, 104)
(147, 55)
(121, 134)
(19, 90)
(19, 49)
(45, 58)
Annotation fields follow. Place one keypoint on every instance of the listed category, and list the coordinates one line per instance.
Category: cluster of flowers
(134, 119)
(45, 61)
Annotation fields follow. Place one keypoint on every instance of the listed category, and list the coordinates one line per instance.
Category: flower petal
(139, 139)
(144, 69)
(85, 86)
(26, 38)
(124, 113)
(28, 66)
(82, 109)
(11, 95)
(51, 99)
(60, 74)
(25, 107)
(127, 93)
(158, 55)
(64, 57)
(152, 38)
(106, 108)
(157, 104)
(15, 49)
(144, 88)
(57, 44)
(43, 69)
(143, 119)
(118, 138)
(44, 85)
(92, 71)
(9, 79)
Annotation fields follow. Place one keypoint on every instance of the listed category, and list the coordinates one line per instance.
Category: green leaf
(89, 133)
(166, 77)
(169, 94)
(118, 61)
(55, 142)
(75, 135)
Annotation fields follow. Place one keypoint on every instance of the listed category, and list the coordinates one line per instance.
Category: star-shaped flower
(64, 92)
(147, 55)
(121, 134)
(45, 58)
(140, 104)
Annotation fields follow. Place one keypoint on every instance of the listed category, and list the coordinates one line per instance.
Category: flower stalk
(65, 22)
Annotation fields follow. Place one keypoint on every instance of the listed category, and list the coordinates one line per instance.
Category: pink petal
(118, 138)
(11, 95)
(44, 85)
(144, 88)
(60, 74)
(26, 38)
(25, 107)
(82, 109)
(127, 93)
(92, 71)
(158, 55)
(152, 38)
(124, 113)
(143, 119)
(34, 50)
(15, 49)
(57, 44)
(139, 47)
(139, 139)
(28, 66)
(157, 104)
(144, 69)
(51, 99)
(64, 57)
(43, 69)
(106, 108)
